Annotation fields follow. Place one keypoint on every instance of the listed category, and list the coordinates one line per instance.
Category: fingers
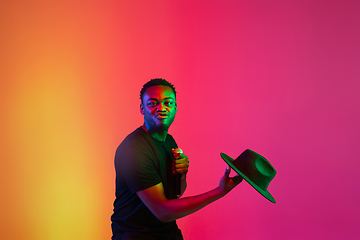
(237, 179)
(180, 165)
(182, 155)
(226, 174)
(181, 161)
(227, 170)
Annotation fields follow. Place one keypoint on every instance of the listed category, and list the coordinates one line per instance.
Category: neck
(161, 136)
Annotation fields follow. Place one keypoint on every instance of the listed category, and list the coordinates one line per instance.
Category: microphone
(177, 178)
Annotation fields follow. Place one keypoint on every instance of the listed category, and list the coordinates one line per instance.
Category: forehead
(159, 92)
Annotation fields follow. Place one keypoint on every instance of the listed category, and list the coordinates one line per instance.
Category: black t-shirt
(142, 162)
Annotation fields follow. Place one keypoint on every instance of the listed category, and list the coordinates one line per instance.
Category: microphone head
(178, 150)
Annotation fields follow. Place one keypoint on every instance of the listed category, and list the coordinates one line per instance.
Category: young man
(146, 204)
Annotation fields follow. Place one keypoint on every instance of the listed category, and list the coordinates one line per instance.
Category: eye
(152, 103)
(169, 103)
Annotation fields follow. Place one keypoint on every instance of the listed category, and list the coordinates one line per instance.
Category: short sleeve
(137, 165)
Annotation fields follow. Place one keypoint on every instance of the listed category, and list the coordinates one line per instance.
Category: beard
(155, 125)
(162, 127)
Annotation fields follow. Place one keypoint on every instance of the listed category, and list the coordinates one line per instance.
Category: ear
(141, 109)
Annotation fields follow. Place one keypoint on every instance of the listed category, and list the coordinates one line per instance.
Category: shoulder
(136, 143)
(134, 138)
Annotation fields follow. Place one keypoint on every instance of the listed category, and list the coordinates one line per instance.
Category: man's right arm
(169, 210)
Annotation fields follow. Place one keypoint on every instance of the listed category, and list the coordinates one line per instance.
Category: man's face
(159, 108)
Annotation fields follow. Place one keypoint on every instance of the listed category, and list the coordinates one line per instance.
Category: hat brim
(263, 192)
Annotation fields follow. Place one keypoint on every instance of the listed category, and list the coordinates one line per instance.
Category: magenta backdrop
(278, 77)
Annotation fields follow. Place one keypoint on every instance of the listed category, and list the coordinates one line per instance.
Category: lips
(161, 115)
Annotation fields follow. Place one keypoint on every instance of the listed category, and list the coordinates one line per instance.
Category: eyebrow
(155, 99)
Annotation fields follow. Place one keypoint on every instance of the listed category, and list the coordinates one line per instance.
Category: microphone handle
(177, 177)
(177, 184)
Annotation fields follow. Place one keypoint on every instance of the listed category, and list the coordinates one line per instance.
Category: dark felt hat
(255, 169)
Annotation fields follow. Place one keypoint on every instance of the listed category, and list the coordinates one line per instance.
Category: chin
(163, 128)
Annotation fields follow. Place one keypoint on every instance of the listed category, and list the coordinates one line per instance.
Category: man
(146, 205)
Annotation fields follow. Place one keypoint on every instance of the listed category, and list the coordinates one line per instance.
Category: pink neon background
(278, 77)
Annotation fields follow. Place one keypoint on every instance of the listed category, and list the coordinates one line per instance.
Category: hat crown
(263, 167)
(256, 168)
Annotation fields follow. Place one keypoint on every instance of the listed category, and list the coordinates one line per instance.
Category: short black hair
(156, 82)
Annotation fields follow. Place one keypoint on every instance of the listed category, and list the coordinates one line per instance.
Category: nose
(161, 108)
